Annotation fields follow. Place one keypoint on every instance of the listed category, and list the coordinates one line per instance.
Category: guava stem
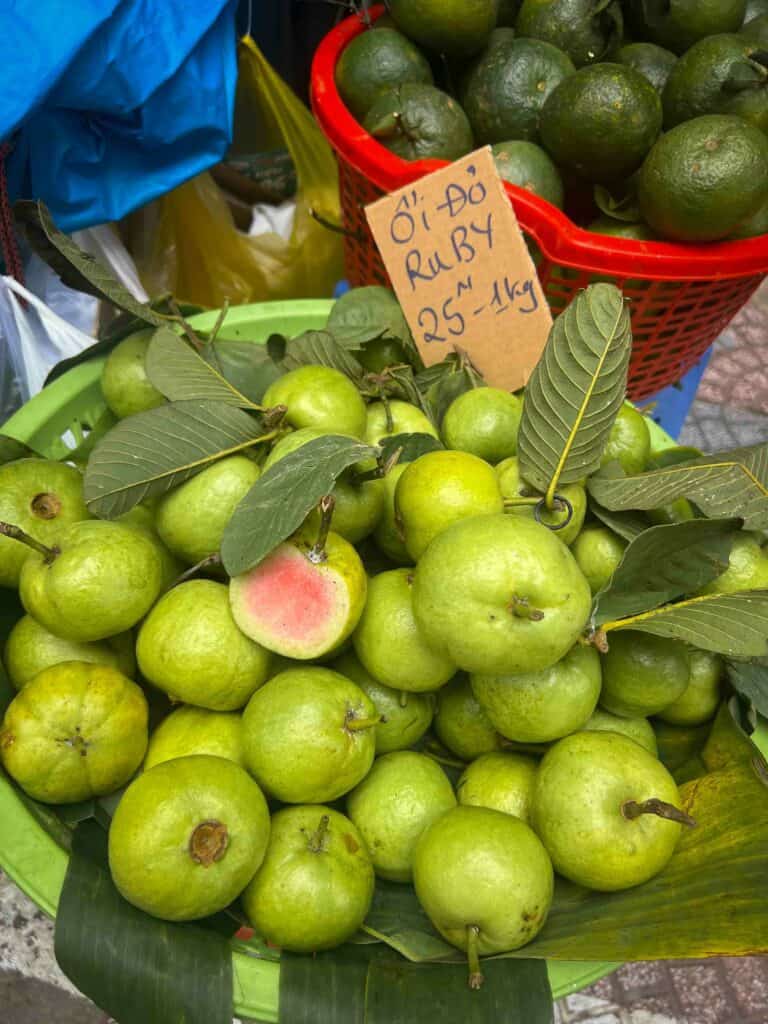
(380, 470)
(390, 423)
(524, 748)
(450, 762)
(317, 552)
(16, 533)
(476, 978)
(521, 608)
(316, 842)
(631, 809)
(205, 563)
(520, 502)
(403, 700)
(358, 724)
(554, 503)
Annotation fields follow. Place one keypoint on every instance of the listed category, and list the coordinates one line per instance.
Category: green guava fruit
(629, 441)
(189, 730)
(190, 647)
(191, 518)
(594, 808)
(315, 885)
(359, 505)
(305, 598)
(97, 581)
(388, 642)
(485, 881)
(483, 422)
(405, 717)
(439, 489)
(460, 722)
(598, 551)
(642, 673)
(30, 648)
(385, 419)
(386, 533)
(403, 793)
(124, 382)
(319, 396)
(513, 487)
(142, 520)
(538, 707)
(76, 731)
(187, 837)
(501, 781)
(500, 594)
(747, 568)
(42, 498)
(309, 735)
(701, 698)
(638, 729)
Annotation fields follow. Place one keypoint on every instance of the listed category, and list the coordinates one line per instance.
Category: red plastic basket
(682, 295)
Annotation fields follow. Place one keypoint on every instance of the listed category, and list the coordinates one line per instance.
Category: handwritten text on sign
(461, 270)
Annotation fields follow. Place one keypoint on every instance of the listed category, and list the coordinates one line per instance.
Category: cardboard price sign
(461, 270)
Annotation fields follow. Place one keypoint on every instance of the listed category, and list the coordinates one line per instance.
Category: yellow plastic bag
(192, 247)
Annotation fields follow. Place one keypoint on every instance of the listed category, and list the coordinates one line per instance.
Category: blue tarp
(110, 103)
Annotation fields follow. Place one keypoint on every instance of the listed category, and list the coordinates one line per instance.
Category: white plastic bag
(34, 338)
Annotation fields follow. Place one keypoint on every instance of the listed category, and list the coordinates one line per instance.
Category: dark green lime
(586, 30)
(527, 165)
(723, 74)
(678, 24)
(375, 61)
(601, 122)
(417, 121)
(457, 28)
(652, 61)
(753, 226)
(508, 86)
(704, 178)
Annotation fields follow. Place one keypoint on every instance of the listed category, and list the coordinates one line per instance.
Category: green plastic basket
(29, 854)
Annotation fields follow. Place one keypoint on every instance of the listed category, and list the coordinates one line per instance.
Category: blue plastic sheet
(110, 103)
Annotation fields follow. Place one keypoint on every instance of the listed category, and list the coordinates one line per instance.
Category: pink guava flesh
(290, 605)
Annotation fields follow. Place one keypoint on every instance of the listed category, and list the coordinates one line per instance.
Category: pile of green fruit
(660, 107)
(360, 630)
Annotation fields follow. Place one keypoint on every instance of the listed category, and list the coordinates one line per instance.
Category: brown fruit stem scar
(317, 553)
(274, 416)
(318, 840)
(631, 809)
(208, 843)
(521, 609)
(45, 506)
(476, 977)
(16, 533)
(206, 563)
(598, 638)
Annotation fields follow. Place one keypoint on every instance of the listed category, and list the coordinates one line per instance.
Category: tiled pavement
(731, 410)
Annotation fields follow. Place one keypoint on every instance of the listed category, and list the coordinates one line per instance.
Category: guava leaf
(623, 208)
(282, 498)
(182, 374)
(412, 445)
(708, 901)
(575, 390)
(404, 380)
(731, 483)
(247, 366)
(11, 449)
(149, 971)
(100, 428)
(320, 347)
(628, 525)
(665, 562)
(732, 624)
(151, 452)
(77, 268)
(750, 679)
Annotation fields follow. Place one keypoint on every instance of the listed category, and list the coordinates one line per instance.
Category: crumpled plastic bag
(189, 243)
